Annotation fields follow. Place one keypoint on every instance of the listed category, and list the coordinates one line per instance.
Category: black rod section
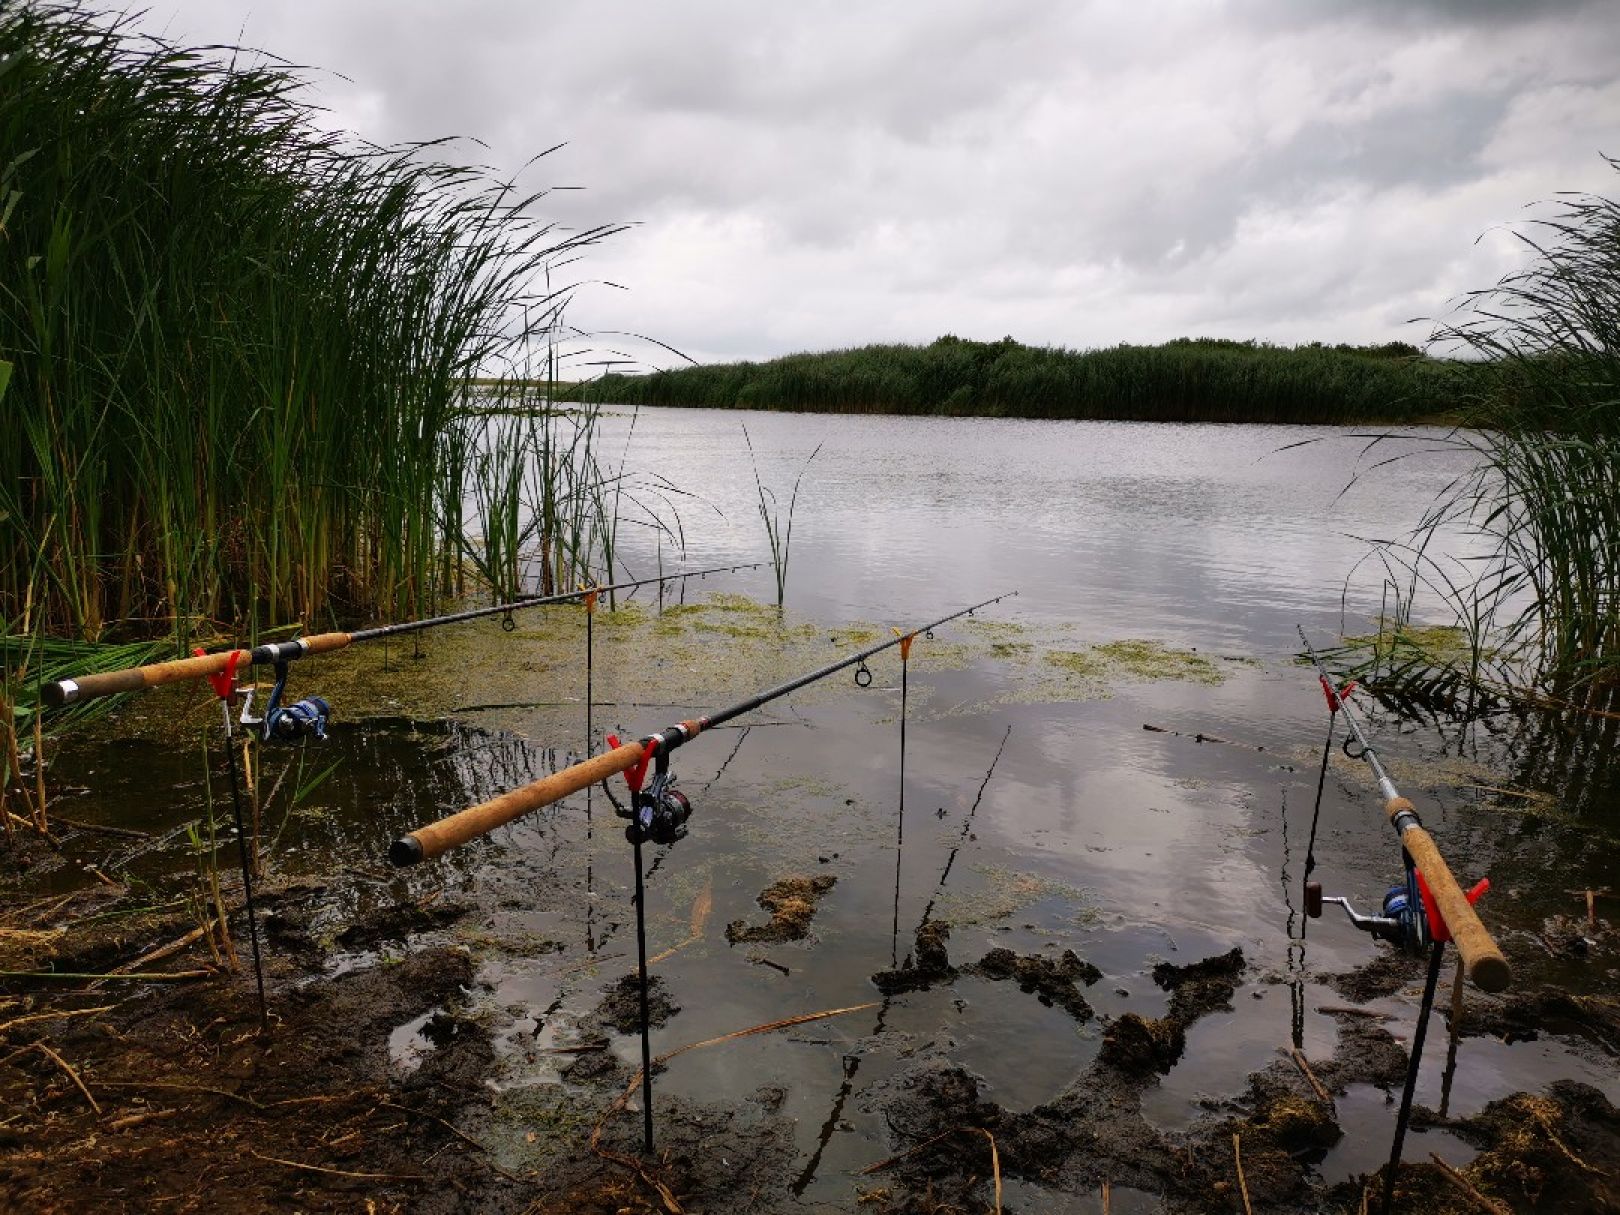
(247, 866)
(793, 685)
(498, 609)
(1436, 956)
(646, 1015)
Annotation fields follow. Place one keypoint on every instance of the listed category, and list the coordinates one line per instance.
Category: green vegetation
(1188, 380)
(1541, 612)
(245, 352)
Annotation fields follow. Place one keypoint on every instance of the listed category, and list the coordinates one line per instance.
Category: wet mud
(620, 1009)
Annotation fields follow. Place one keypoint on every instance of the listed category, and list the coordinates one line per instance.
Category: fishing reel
(307, 718)
(1404, 922)
(658, 811)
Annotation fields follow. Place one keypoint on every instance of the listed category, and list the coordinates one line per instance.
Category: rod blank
(440, 836)
(135, 679)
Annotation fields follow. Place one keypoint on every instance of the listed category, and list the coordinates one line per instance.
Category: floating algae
(1005, 893)
(792, 903)
(1155, 660)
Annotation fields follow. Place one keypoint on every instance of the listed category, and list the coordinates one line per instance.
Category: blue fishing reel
(307, 718)
(1404, 923)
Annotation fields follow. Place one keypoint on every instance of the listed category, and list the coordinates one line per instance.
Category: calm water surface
(1126, 845)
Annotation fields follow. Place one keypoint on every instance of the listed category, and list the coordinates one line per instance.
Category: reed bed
(1543, 408)
(1188, 380)
(245, 350)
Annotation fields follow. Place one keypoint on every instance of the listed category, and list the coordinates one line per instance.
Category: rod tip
(404, 852)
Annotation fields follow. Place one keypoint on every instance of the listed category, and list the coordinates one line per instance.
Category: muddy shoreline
(196, 1108)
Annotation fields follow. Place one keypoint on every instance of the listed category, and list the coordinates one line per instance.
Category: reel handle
(1313, 900)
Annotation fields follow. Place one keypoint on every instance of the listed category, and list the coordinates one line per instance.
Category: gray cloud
(828, 174)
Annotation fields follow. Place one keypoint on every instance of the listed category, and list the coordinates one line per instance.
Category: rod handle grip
(439, 837)
(61, 692)
(134, 679)
(1482, 958)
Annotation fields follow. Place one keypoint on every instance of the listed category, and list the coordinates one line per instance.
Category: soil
(927, 964)
(1523, 1016)
(1050, 982)
(1556, 1151)
(620, 1009)
(1383, 976)
(792, 904)
(198, 1108)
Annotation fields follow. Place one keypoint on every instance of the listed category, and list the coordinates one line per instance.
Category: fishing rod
(658, 811)
(1431, 898)
(654, 816)
(305, 716)
(1420, 915)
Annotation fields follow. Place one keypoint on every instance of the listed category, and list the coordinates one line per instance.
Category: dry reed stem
(158, 954)
(52, 1016)
(1565, 1149)
(184, 1088)
(316, 1168)
(1483, 1201)
(71, 1074)
(702, 907)
(1243, 1186)
(129, 1120)
(156, 976)
(39, 769)
(1106, 1197)
(1304, 1066)
(995, 1164)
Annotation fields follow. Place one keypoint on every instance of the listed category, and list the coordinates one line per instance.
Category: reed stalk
(778, 531)
(242, 346)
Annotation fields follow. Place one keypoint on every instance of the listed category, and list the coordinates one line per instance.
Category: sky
(810, 176)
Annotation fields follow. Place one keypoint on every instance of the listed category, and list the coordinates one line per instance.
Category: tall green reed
(778, 531)
(241, 343)
(1544, 420)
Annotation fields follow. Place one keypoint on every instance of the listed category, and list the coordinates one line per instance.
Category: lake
(1120, 762)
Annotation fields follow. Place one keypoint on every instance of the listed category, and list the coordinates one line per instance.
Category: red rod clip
(632, 776)
(1437, 925)
(225, 682)
(1334, 698)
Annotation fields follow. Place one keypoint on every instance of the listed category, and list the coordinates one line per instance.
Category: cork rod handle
(1482, 958)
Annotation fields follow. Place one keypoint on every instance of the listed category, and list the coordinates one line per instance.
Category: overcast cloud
(807, 176)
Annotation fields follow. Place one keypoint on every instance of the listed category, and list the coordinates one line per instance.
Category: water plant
(778, 531)
(243, 346)
(1543, 398)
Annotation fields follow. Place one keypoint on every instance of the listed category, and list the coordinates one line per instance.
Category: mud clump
(1053, 983)
(1557, 1152)
(399, 922)
(929, 963)
(792, 904)
(1524, 1016)
(620, 1008)
(1139, 1046)
(1385, 975)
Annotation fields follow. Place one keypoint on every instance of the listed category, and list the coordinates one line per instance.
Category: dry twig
(1483, 1201)
(1243, 1186)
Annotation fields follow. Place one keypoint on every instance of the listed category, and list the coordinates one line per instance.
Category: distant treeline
(1186, 380)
